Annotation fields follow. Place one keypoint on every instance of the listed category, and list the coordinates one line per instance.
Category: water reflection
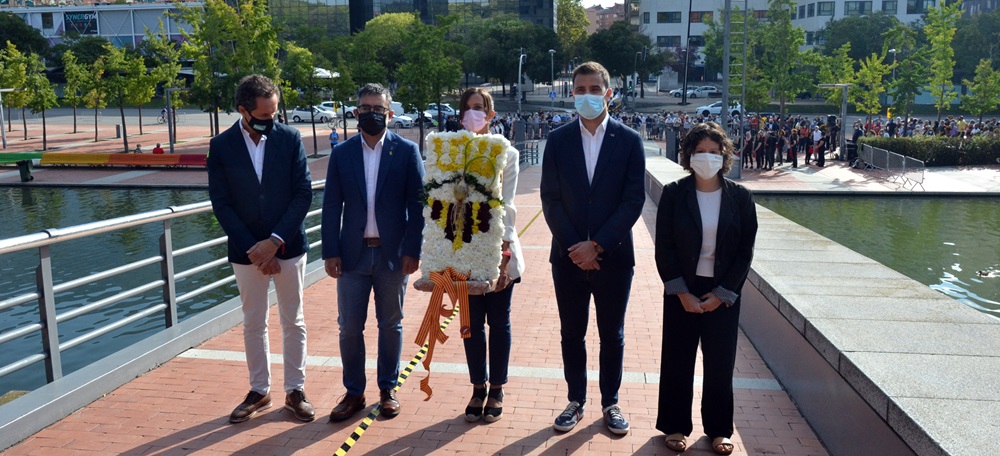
(942, 242)
(30, 210)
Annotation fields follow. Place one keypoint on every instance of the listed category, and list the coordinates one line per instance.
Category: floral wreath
(463, 229)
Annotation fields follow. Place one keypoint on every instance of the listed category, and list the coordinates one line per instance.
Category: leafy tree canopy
(27, 38)
(849, 29)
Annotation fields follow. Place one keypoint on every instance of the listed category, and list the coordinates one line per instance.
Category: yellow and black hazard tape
(403, 375)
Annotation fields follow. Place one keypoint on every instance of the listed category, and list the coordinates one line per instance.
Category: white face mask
(706, 165)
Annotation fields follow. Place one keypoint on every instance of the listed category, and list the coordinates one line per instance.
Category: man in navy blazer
(592, 193)
(259, 184)
(372, 233)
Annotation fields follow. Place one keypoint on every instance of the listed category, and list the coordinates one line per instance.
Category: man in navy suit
(260, 188)
(592, 193)
(372, 233)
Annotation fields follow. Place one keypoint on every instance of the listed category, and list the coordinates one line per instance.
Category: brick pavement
(182, 407)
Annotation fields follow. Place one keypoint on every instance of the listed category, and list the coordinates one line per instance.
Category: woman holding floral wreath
(476, 112)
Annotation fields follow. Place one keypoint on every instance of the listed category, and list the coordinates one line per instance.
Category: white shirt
(256, 157)
(372, 159)
(592, 145)
(710, 204)
(256, 151)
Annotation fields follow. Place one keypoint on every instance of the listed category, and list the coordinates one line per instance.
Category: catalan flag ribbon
(455, 285)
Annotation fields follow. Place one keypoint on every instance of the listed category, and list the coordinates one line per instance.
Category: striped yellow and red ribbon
(456, 286)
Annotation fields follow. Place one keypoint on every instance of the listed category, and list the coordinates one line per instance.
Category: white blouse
(710, 204)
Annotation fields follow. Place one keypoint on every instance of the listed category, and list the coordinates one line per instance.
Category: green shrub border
(940, 151)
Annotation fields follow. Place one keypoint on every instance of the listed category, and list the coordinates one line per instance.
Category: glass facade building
(341, 17)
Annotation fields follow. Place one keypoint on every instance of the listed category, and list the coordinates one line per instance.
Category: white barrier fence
(907, 171)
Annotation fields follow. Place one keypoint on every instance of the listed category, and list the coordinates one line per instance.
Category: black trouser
(717, 331)
(769, 158)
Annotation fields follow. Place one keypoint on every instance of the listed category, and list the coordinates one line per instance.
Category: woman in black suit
(705, 231)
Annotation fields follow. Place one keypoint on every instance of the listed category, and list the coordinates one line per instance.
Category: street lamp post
(552, 70)
(687, 57)
(520, 63)
(893, 52)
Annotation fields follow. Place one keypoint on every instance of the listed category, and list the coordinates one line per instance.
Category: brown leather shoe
(296, 402)
(347, 407)
(390, 406)
(253, 403)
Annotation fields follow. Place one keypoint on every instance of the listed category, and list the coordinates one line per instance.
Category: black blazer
(678, 234)
(603, 210)
(248, 210)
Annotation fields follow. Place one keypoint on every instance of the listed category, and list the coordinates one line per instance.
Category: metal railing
(46, 289)
(907, 171)
(528, 152)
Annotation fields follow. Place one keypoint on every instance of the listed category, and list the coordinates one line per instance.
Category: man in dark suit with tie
(260, 188)
(592, 193)
(372, 233)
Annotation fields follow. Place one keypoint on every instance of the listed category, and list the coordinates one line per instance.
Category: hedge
(940, 151)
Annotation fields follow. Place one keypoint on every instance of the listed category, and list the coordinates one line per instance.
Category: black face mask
(371, 123)
(261, 126)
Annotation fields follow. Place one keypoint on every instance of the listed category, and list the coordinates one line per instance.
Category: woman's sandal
(474, 412)
(677, 442)
(722, 445)
(493, 414)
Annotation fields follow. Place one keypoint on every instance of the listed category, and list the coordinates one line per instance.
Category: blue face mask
(589, 106)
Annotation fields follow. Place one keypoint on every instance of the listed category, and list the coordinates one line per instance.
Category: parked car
(704, 92)
(428, 119)
(445, 109)
(677, 93)
(401, 121)
(334, 106)
(316, 114)
(716, 108)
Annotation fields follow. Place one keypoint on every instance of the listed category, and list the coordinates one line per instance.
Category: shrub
(940, 151)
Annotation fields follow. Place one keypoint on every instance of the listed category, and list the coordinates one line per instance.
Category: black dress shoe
(296, 402)
(390, 406)
(347, 407)
(253, 403)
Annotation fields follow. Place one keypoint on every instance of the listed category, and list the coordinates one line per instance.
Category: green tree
(909, 80)
(782, 62)
(377, 51)
(571, 25)
(868, 86)
(120, 72)
(226, 44)
(985, 90)
(863, 32)
(299, 81)
(161, 56)
(14, 74)
(76, 82)
(940, 29)
(429, 71)
(87, 48)
(43, 96)
(836, 69)
(22, 35)
(757, 88)
(977, 37)
(616, 48)
(94, 89)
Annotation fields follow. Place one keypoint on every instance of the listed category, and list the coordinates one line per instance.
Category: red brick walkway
(182, 407)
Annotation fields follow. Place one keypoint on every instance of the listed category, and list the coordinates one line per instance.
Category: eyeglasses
(376, 109)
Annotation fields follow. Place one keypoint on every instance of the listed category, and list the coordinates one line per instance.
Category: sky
(604, 3)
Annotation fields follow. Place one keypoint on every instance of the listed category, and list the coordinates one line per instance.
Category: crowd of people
(951, 126)
(592, 194)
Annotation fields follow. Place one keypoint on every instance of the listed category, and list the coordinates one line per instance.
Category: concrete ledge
(877, 362)
(22, 417)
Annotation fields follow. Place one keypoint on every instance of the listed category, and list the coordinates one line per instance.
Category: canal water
(31, 210)
(949, 244)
